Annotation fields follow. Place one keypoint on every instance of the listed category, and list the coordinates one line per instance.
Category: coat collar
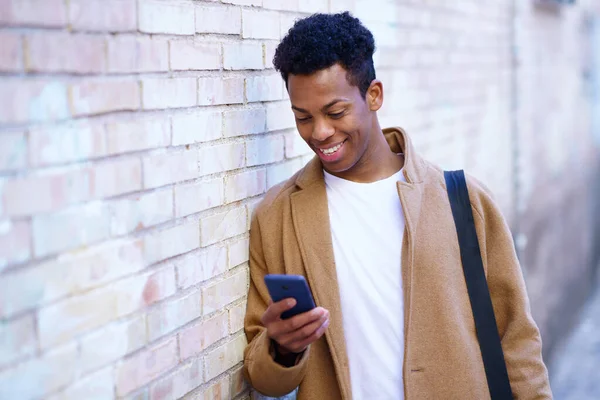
(310, 215)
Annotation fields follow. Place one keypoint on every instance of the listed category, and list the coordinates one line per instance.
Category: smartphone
(290, 286)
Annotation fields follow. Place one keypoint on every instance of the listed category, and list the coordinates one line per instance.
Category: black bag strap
(479, 295)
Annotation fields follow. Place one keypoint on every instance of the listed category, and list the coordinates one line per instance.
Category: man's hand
(293, 335)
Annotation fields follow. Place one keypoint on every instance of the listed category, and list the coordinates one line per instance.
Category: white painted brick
(124, 137)
(196, 128)
(221, 158)
(169, 93)
(173, 314)
(11, 52)
(194, 339)
(46, 13)
(201, 266)
(128, 54)
(50, 372)
(265, 150)
(279, 116)
(13, 151)
(15, 243)
(281, 172)
(295, 146)
(245, 184)
(69, 274)
(238, 56)
(269, 50)
(95, 97)
(176, 385)
(196, 197)
(32, 100)
(260, 24)
(225, 20)
(191, 55)
(116, 177)
(236, 318)
(146, 210)
(286, 21)
(124, 337)
(103, 15)
(97, 386)
(79, 226)
(17, 339)
(244, 122)
(224, 292)
(244, 2)
(225, 357)
(67, 143)
(238, 252)
(264, 88)
(166, 16)
(314, 6)
(284, 5)
(219, 390)
(217, 90)
(171, 242)
(83, 313)
(223, 226)
(238, 383)
(146, 366)
(164, 169)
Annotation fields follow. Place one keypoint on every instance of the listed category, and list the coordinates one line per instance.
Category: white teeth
(331, 150)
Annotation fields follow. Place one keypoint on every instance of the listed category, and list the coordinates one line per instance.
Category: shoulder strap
(479, 295)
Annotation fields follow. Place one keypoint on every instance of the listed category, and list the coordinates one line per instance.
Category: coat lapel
(310, 215)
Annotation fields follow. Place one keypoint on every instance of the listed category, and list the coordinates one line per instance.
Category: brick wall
(136, 137)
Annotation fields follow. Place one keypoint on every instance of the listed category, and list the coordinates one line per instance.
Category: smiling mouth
(332, 150)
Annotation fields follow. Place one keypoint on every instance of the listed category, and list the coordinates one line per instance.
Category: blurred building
(137, 136)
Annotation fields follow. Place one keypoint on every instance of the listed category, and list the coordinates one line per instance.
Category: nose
(322, 130)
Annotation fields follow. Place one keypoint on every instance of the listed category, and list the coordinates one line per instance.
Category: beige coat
(290, 234)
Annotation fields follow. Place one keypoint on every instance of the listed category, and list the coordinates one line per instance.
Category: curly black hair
(322, 40)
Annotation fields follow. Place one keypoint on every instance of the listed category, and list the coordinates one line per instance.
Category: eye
(303, 119)
(337, 115)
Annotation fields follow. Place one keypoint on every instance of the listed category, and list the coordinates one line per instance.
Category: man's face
(332, 117)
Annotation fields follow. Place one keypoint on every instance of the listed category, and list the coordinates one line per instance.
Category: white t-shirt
(367, 226)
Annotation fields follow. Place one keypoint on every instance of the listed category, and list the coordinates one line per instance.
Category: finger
(290, 325)
(275, 310)
(300, 335)
(313, 338)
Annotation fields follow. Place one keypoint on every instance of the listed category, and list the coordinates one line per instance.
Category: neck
(378, 162)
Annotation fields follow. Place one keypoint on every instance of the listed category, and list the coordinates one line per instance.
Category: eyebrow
(325, 107)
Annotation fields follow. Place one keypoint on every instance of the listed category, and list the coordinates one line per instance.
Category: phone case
(285, 286)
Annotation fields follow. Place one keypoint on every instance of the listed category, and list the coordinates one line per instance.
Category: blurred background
(137, 136)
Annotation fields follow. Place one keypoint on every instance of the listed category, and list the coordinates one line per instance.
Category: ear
(375, 95)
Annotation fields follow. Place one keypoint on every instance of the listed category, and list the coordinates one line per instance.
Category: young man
(369, 224)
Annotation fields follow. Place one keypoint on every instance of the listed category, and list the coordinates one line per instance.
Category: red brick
(67, 143)
(47, 13)
(64, 52)
(175, 386)
(146, 366)
(13, 151)
(136, 135)
(169, 93)
(194, 56)
(32, 101)
(11, 52)
(103, 15)
(127, 54)
(196, 338)
(101, 97)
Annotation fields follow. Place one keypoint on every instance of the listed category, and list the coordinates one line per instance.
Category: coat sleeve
(260, 369)
(520, 336)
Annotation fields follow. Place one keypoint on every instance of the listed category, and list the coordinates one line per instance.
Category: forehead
(320, 86)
